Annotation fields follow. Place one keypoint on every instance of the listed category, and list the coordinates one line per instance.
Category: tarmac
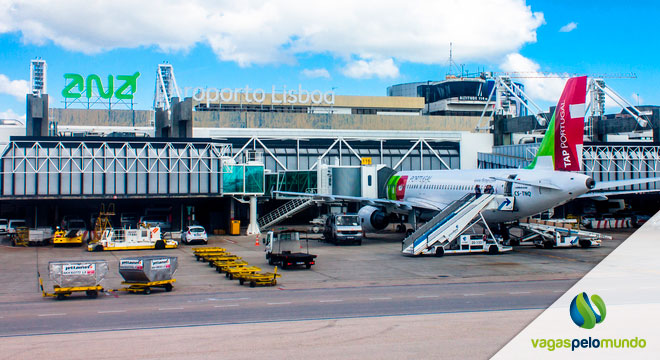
(365, 301)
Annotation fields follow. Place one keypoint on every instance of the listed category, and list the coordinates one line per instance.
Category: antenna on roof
(452, 64)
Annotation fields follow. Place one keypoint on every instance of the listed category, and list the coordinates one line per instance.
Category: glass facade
(243, 179)
(467, 90)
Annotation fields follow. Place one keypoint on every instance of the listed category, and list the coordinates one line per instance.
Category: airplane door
(508, 188)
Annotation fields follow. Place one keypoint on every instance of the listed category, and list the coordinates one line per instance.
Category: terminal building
(218, 154)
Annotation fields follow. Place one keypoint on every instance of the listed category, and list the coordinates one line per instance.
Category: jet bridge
(450, 223)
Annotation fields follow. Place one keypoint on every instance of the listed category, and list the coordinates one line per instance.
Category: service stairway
(285, 211)
(446, 226)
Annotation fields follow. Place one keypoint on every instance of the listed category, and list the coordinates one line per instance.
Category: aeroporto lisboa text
(258, 96)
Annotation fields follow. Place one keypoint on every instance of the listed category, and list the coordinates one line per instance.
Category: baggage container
(77, 273)
(145, 269)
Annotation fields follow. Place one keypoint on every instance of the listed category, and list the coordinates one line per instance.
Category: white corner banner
(611, 313)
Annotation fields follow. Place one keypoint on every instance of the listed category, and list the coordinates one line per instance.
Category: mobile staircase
(449, 224)
(285, 211)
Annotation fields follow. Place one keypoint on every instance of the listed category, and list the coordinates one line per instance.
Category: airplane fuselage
(533, 191)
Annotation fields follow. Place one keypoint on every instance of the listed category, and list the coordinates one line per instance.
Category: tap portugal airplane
(552, 179)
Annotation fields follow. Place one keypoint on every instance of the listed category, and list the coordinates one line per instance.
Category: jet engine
(373, 219)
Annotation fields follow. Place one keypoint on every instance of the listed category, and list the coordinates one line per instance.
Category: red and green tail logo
(561, 147)
(396, 187)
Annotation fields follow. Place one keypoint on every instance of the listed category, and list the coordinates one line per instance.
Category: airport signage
(248, 95)
(77, 86)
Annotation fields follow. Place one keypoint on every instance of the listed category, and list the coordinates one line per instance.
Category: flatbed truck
(283, 249)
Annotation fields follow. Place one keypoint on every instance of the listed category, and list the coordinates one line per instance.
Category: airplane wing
(528, 183)
(395, 204)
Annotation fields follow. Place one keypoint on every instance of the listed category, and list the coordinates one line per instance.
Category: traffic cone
(256, 241)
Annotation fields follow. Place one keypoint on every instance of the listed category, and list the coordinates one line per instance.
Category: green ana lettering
(76, 85)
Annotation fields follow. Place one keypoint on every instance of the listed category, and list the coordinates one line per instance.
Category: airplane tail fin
(561, 147)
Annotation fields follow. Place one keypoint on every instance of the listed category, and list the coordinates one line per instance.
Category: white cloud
(538, 85)
(568, 27)
(316, 73)
(637, 99)
(10, 114)
(366, 69)
(15, 88)
(269, 31)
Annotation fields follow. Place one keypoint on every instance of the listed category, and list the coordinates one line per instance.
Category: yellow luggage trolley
(225, 257)
(221, 266)
(60, 293)
(72, 276)
(201, 250)
(261, 279)
(145, 288)
(207, 255)
(241, 272)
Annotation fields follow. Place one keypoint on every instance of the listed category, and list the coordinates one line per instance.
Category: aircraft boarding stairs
(448, 224)
(285, 211)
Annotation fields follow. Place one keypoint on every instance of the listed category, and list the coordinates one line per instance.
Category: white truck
(470, 244)
(132, 239)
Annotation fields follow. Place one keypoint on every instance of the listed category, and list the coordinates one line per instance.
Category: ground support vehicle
(75, 276)
(261, 279)
(69, 237)
(283, 249)
(201, 250)
(220, 257)
(145, 288)
(24, 236)
(221, 266)
(343, 228)
(205, 255)
(318, 224)
(72, 231)
(142, 273)
(471, 244)
(132, 239)
(20, 236)
(564, 234)
(241, 272)
(60, 293)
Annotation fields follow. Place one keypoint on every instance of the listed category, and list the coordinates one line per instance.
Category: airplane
(551, 180)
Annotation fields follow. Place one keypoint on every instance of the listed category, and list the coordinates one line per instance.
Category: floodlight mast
(166, 87)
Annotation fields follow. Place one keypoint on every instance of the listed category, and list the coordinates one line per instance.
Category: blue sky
(357, 49)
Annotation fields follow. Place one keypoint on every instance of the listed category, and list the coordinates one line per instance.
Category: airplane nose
(591, 183)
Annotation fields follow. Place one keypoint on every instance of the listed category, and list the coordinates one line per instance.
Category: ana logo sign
(583, 313)
(77, 86)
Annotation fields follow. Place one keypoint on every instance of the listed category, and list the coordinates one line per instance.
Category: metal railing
(287, 210)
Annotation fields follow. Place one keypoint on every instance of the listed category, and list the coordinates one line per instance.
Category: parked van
(343, 228)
